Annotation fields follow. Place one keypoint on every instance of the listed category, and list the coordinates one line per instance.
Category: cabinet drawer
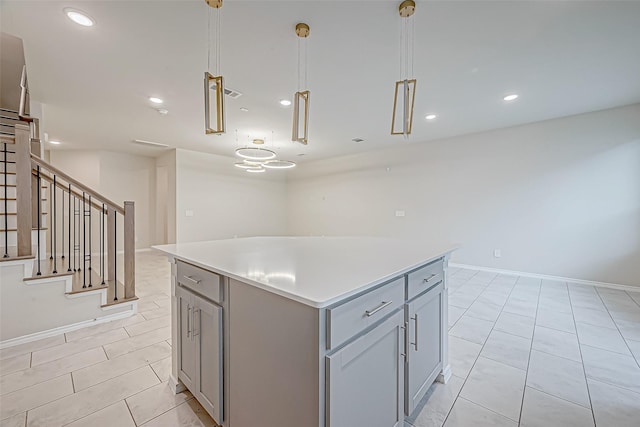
(201, 281)
(346, 320)
(422, 279)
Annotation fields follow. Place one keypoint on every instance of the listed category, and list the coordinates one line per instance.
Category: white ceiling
(562, 57)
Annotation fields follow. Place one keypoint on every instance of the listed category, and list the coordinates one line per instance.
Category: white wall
(560, 197)
(118, 176)
(226, 201)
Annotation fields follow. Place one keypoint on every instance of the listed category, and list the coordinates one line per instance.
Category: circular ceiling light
(511, 97)
(155, 100)
(54, 142)
(285, 102)
(256, 170)
(279, 164)
(79, 17)
(254, 153)
(431, 117)
(244, 109)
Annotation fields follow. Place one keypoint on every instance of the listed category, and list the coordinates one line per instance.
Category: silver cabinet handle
(374, 311)
(429, 279)
(405, 327)
(192, 280)
(415, 333)
(196, 332)
(188, 320)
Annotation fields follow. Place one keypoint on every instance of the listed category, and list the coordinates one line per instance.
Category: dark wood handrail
(65, 188)
(52, 169)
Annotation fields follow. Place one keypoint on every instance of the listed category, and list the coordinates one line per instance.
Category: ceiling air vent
(358, 140)
(231, 93)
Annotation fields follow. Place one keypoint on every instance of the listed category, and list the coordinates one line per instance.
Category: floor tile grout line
(584, 369)
(560, 398)
(620, 332)
(476, 361)
(526, 375)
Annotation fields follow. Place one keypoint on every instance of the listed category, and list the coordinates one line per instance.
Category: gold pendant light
(214, 111)
(301, 98)
(405, 91)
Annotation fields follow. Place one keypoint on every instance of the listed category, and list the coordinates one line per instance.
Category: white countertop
(317, 271)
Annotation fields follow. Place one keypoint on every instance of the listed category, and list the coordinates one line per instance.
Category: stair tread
(16, 258)
(15, 213)
(15, 229)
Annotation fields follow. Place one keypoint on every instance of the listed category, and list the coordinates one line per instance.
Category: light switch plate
(188, 213)
(399, 213)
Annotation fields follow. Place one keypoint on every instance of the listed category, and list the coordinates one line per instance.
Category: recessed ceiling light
(54, 142)
(285, 102)
(357, 140)
(79, 17)
(162, 111)
(155, 100)
(430, 116)
(511, 97)
(244, 109)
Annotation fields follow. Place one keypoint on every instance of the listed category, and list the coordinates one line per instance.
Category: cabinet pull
(429, 279)
(192, 280)
(196, 332)
(405, 341)
(415, 333)
(188, 320)
(374, 311)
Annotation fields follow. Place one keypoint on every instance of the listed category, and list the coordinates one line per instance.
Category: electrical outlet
(399, 213)
(497, 253)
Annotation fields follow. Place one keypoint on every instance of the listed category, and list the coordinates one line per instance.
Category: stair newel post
(53, 227)
(102, 244)
(62, 222)
(69, 258)
(23, 189)
(90, 243)
(129, 250)
(39, 182)
(111, 250)
(50, 223)
(6, 212)
(84, 242)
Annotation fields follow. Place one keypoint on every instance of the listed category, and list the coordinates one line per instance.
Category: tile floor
(532, 352)
(523, 352)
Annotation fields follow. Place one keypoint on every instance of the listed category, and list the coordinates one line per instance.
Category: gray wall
(560, 197)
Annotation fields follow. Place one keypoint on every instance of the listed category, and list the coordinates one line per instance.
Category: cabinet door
(208, 337)
(365, 379)
(424, 335)
(186, 343)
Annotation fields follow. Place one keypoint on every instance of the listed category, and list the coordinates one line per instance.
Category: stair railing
(83, 203)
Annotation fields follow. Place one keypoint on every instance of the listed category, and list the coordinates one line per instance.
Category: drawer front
(422, 279)
(346, 320)
(201, 281)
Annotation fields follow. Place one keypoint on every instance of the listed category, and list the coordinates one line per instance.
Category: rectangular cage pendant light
(301, 98)
(402, 119)
(405, 93)
(214, 116)
(301, 117)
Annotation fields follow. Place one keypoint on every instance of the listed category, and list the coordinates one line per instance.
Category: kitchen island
(308, 331)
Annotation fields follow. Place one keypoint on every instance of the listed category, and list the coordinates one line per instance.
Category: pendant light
(301, 98)
(405, 91)
(214, 112)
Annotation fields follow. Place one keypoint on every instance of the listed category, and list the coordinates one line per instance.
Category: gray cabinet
(424, 335)
(186, 344)
(199, 352)
(365, 378)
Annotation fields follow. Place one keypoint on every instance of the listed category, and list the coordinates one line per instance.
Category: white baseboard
(63, 329)
(631, 288)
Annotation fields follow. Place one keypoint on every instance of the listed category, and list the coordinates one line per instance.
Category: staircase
(67, 252)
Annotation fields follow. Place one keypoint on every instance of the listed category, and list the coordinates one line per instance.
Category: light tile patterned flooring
(523, 352)
(532, 352)
(109, 375)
